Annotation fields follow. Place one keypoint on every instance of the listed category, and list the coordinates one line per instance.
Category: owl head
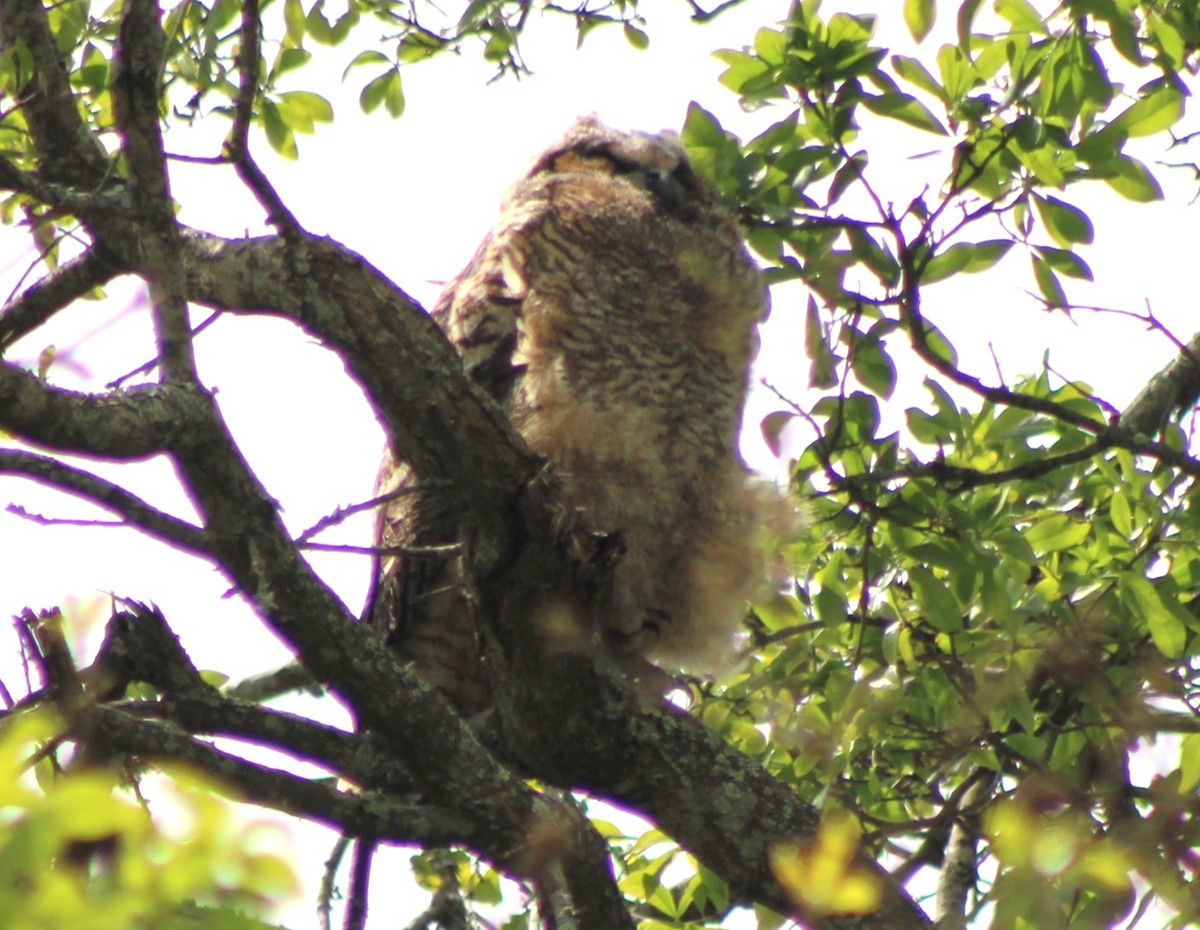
(653, 161)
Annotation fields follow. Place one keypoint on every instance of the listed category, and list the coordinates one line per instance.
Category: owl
(612, 313)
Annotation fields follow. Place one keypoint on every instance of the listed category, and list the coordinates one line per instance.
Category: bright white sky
(415, 196)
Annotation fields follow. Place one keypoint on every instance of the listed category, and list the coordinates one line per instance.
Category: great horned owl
(612, 313)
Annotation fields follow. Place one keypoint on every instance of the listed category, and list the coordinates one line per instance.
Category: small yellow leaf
(821, 877)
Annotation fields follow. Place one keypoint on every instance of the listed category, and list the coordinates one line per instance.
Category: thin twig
(96, 490)
(328, 889)
(343, 513)
(238, 144)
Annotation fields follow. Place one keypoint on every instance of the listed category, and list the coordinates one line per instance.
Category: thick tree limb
(959, 874)
(437, 417)
(572, 719)
(583, 729)
(123, 425)
(1169, 393)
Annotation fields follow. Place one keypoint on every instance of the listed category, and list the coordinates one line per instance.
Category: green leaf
(848, 174)
(294, 21)
(958, 74)
(1066, 224)
(1056, 532)
(1158, 111)
(289, 60)
(1133, 180)
(701, 129)
(1042, 161)
(279, 135)
(326, 33)
(771, 46)
(822, 371)
(935, 600)
(636, 37)
(1163, 616)
(1170, 40)
(1064, 262)
(1021, 14)
(417, 46)
(915, 73)
(905, 109)
(742, 69)
(385, 89)
(300, 110)
(966, 21)
(369, 57)
(967, 257)
(939, 345)
(1031, 747)
(874, 368)
(499, 46)
(1189, 763)
(1047, 283)
(875, 256)
(1121, 514)
(919, 16)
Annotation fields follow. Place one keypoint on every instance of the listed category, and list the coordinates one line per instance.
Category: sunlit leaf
(915, 73)
(905, 109)
(1189, 762)
(968, 257)
(1163, 616)
(636, 37)
(1056, 532)
(1021, 14)
(937, 604)
(1064, 262)
(1159, 110)
(1133, 180)
(1048, 284)
(1066, 224)
(919, 16)
(821, 877)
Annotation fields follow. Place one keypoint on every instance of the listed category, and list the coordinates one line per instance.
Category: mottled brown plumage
(612, 313)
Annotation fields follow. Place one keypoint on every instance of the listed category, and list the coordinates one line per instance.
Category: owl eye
(665, 186)
(676, 189)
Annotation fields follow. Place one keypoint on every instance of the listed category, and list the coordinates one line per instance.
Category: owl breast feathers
(612, 313)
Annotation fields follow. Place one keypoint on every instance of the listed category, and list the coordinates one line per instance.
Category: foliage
(996, 595)
(997, 606)
(76, 851)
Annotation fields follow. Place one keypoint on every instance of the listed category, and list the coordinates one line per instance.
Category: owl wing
(421, 598)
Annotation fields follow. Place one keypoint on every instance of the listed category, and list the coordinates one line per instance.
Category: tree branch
(249, 58)
(413, 375)
(124, 425)
(137, 94)
(1172, 391)
(111, 497)
(111, 732)
(68, 153)
(576, 722)
(42, 299)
